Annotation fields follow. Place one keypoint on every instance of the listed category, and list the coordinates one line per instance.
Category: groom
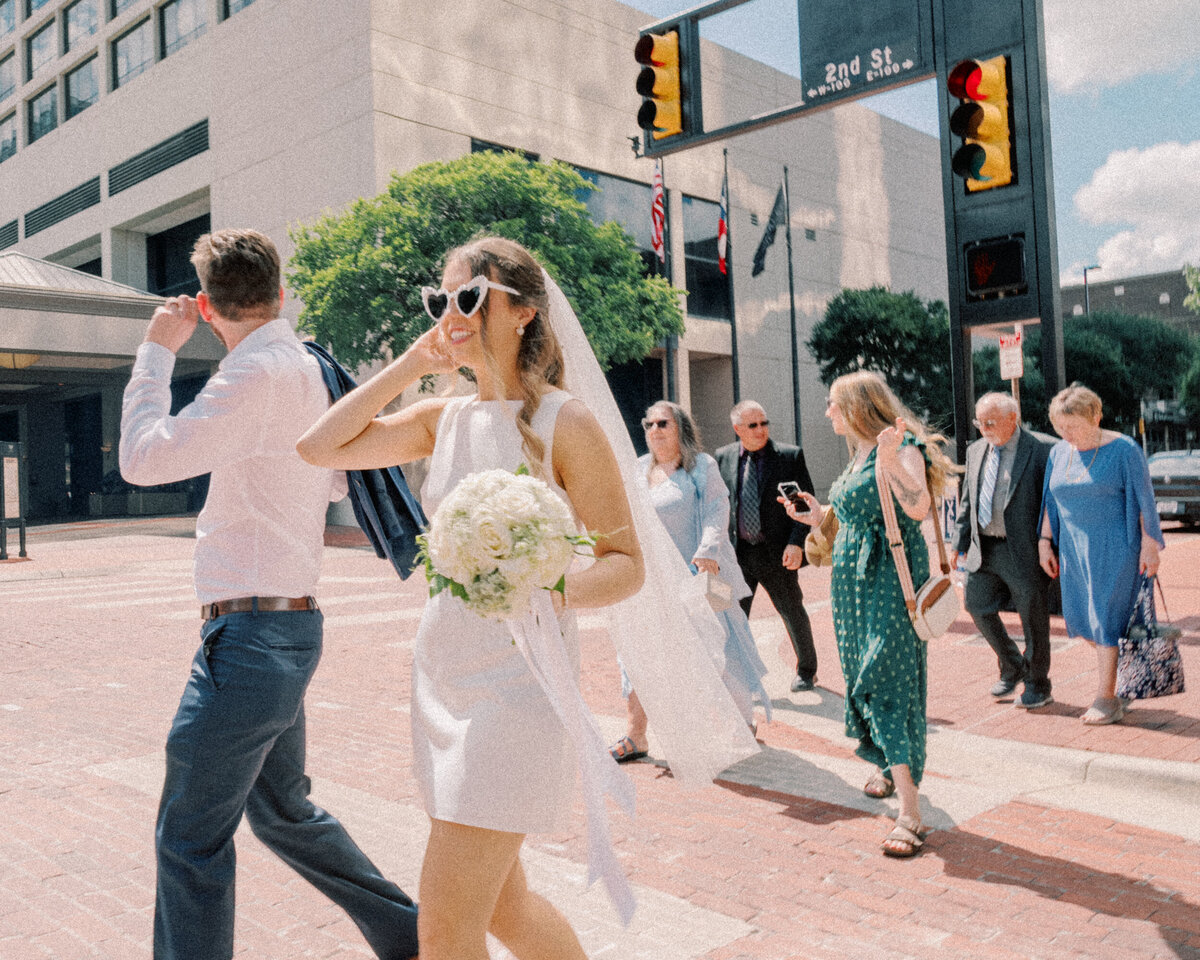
(238, 740)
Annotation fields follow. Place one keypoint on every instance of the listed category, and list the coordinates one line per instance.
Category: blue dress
(1097, 504)
(694, 507)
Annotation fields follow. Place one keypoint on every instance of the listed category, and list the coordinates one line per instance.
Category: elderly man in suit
(999, 507)
(770, 545)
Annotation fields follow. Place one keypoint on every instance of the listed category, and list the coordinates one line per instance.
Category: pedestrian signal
(661, 113)
(985, 159)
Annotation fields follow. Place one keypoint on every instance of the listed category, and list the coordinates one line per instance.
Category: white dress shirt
(261, 532)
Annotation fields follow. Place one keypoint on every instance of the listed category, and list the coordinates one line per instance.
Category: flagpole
(669, 344)
(733, 345)
(787, 223)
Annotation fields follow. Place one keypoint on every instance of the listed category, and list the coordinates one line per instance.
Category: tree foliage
(1122, 357)
(895, 334)
(360, 272)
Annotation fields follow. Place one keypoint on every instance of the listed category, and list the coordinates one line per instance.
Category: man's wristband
(1047, 539)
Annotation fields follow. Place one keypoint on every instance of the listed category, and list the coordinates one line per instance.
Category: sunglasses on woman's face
(661, 424)
(467, 298)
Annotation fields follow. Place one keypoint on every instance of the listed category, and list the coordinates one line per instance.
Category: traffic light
(996, 267)
(985, 160)
(661, 113)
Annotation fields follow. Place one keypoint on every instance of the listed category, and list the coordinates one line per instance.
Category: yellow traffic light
(661, 113)
(985, 159)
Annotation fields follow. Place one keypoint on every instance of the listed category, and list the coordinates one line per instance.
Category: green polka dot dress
(882, 658)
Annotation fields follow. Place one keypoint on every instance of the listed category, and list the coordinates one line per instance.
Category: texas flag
(723, 225)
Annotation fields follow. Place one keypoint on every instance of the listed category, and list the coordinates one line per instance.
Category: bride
(494, 743)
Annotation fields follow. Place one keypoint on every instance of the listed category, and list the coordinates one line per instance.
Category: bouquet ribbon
(539, 638)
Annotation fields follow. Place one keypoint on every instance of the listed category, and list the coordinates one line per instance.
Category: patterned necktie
(987, 488)
(751, 521)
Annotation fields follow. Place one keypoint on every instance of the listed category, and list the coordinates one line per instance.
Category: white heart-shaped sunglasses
(467, 298)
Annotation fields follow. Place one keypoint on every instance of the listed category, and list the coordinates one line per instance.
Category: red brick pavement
(83, 684)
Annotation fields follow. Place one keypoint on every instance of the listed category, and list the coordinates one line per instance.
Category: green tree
(895, 334)
(1192, 276)
(1122, 357)
(360, 272)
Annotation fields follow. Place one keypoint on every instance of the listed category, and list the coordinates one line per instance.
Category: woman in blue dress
(692, 501)
(1100, 532)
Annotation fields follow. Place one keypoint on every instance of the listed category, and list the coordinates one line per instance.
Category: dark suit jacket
(383, 505)
(1022, 511)
(781, 461)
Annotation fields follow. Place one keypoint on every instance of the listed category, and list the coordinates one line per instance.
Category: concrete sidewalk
(1052, 839)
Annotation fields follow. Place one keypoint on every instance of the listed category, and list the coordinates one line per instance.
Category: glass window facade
(8, 75)
(39, 50)
(8, 137)
(43, 113)
(169, 258)
(707, 287)
(182, 22)
(34, 5)
(80, 20)
(624, 201)
(132, 53)
(83, 87)
(117, 7)
(8, 16)
(233, 6)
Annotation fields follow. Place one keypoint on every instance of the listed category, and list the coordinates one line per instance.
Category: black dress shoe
(1002, 687)
(799, 684)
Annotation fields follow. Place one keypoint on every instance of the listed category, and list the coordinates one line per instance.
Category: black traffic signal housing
(660, 83)
(983, 121)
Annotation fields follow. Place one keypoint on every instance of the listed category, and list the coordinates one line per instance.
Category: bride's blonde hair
(539, 359)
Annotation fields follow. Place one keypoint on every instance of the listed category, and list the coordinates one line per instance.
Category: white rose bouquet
(497, 538)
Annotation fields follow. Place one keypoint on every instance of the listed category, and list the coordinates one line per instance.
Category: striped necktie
(987, 488)
(749, 513)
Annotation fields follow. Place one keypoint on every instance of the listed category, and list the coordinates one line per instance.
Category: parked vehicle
(1175, 475)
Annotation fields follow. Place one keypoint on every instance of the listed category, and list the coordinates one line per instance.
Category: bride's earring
(521, 331)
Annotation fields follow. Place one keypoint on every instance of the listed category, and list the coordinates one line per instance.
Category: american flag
(722, 224)
(657, 214)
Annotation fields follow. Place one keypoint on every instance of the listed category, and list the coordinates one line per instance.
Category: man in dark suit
(999, 507)
(770, 546)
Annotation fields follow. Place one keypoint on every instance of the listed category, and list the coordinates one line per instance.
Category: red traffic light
(985, 159)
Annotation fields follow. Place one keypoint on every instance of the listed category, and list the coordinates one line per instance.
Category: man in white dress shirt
(237, 743)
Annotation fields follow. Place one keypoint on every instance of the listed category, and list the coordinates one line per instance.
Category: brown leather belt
(210, 611)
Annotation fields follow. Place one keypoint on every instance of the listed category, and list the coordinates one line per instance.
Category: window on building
(8, 137)
(80, 20)
(132, 53)
(8, 75)
(1077, 310)
(169, 258)
(233, 6)
(1119, 290)
(39, 50)
(810, 234)
(118, 7)
(94, 267)
(31, 6)
(43, 113)
(182, 21)
(1164, 299)
(707, 287)
(624, 201)
(8, 16)
(83, 87)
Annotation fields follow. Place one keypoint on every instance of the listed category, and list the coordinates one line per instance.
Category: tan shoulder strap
(896, 542)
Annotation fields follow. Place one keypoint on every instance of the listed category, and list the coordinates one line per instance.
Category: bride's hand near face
(430, 352)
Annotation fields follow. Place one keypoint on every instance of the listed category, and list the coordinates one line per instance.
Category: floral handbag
(1148, 660)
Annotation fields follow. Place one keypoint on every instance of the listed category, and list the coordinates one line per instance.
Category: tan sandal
(1103, 711)
(907, 839)
(880, 786)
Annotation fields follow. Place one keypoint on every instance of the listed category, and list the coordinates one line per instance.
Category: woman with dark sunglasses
(693, 503)
(495, 739)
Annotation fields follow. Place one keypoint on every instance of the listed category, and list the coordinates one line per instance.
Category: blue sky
(1124, 118)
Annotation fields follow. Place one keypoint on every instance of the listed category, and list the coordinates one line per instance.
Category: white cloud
(1153, 192)
(1102, 43)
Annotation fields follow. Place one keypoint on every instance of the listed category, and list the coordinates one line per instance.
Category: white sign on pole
(1011, 363)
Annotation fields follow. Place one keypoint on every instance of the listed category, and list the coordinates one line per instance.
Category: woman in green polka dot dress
(882, 659)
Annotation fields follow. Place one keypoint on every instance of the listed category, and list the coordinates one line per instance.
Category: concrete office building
(128, 127)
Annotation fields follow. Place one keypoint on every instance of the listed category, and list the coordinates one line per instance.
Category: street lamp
(1087, 300)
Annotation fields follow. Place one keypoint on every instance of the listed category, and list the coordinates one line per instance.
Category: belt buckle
(208, 611)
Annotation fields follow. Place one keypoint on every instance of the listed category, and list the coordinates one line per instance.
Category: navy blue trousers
(237, 745)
